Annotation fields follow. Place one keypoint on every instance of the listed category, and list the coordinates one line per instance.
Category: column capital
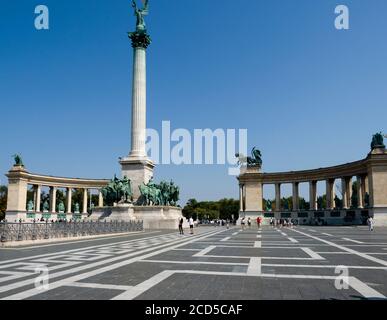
(140, 39)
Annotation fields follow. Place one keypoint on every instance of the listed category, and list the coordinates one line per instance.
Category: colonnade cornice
(52, 181)
(358, 168)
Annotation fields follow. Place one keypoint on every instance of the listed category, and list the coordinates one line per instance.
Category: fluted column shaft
(278, 197)
(53, 199)
(139, 103)
(84, 201)
(295, 196)
(313, 195)
(69, 200)
(38, 192)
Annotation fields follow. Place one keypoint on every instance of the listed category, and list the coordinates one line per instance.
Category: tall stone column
(347, 192)
(69, 200)
(137, 167)
(296, 201)
(53, 199)
(277, 197)
(38, 193)
(313, 195)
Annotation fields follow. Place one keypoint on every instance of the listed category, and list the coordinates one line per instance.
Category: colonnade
(369, 173)
(68, 203)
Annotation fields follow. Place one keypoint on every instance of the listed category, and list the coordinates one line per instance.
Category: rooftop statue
(254, 161)
(140, 13)
(377, 141)
(18, 160)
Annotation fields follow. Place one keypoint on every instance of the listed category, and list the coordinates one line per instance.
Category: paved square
(215, 263)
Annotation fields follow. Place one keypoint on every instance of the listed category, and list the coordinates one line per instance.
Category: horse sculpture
(254, 160)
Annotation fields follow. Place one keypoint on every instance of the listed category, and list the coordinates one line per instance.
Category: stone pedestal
(377, 179)
(138, 170)
(158, 217)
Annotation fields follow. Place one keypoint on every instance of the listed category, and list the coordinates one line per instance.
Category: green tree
(3, 201)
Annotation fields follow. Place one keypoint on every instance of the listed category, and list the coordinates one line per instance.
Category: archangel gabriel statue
(140, 13)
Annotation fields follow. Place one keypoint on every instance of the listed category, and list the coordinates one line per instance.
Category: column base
(139, 170)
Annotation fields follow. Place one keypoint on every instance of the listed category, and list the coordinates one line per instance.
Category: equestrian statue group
(152, 194)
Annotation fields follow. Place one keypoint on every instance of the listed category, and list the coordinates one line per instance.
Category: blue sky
(309, 95)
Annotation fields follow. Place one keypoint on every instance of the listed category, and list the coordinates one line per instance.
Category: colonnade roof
(357, 168)
(20, 173)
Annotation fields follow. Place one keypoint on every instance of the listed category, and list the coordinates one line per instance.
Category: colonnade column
(296, 202)
(344, 193)
(38, 192)
(330, 194)
(313, 195)
(360, 191)
(348, 187)
(241, 197)
(100, 199)
(278, 197)
(84, 211)
(53, 199)
(69, 198)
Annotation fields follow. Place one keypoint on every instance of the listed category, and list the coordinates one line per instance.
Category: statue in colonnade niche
(61, 207)
(338, 203)
(268, 205)
(30, 205)
(76, 208)
(46, 206)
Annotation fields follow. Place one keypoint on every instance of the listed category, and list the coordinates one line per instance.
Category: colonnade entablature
(370, 175)
(18, 208)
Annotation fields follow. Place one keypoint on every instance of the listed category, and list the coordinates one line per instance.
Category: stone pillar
(69, 198)
(17, 194)
(241, 198)
(100, 199)
(377, 183)
(253, 196)
(137, 167)
(360, 191)
(330, 194)
(344, 192)
(277, 197)
(313, 195)
(296, 200)
(53, 199)
(347, 192)
(84, 210)
(38, 194)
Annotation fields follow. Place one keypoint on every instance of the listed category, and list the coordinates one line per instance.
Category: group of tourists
(191, 225)
(280, 223)
(248, 221)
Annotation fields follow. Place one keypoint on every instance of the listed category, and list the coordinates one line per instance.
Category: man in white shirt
(191, 225)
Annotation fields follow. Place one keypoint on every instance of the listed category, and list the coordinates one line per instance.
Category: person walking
(191, 225)
(249, 222)
(243, 223)
(371, 223)
(181, 221)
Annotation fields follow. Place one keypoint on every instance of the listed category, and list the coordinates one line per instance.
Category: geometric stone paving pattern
(218, 264)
